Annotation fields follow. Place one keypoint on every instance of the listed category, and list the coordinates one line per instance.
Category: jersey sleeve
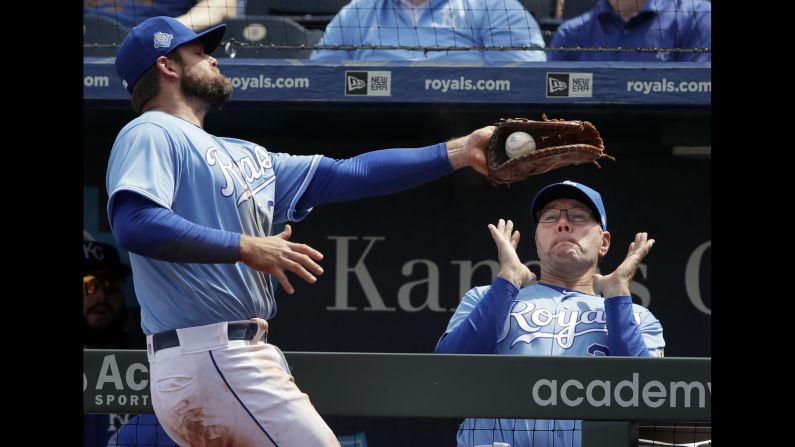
(144, 160)
(484, 315)
(651, 331)
(469, 301)
(293, 174)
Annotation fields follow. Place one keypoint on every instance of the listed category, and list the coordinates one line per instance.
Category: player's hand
(470, 150)
(617, 283)
(276, 254)
(511, 268)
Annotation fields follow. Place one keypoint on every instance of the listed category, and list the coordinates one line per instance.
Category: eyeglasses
(92, 283)
(552, 215)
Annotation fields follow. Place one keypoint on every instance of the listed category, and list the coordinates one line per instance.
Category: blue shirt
(132, 12)
(546, 320)
(434, 24)
(659, 24)
(221, 183)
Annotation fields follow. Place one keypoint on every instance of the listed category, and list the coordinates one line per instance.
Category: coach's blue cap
(571, 190)
(155, 37)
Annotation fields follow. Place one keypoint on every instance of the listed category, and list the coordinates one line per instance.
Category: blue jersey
(221, 183)
(547, 321)
(664, 24)
(434, 24)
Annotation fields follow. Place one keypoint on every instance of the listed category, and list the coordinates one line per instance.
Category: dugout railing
(618, 398)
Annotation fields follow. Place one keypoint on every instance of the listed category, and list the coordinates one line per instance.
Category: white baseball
(518, 144)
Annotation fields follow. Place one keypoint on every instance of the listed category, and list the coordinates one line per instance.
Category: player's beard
(216, 89)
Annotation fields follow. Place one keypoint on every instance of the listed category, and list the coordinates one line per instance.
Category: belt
(235, 331)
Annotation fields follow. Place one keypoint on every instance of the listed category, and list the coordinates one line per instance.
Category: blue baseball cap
(571, 190)
(155, 37)
(99, 257)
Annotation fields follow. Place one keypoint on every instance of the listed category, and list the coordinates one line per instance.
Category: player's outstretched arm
(470, 150)
(388, 171)
(617, 283)
(511, 268)
(276, 254)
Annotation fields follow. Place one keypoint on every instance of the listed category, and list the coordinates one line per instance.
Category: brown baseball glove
(558, 143)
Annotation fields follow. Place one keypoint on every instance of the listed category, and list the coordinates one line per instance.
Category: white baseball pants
(212, 391)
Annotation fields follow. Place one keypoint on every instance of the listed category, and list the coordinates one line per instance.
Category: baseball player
(569, 310)
(196, 211)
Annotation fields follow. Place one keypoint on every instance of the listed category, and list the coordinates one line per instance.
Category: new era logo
(569, 85)
(368, 83)
(556, 85)
(356, 83)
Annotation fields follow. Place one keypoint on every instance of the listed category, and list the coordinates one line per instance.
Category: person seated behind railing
(195, 14)
(569, 309)
(105, 326)
(105, 316)
(432, 24)
(664, 24)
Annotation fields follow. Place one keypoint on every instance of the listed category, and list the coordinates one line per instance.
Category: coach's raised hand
(511, 268)
(275, 254)
(617, 283)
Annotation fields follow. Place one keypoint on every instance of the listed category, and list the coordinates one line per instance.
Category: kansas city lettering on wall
(348, 269)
